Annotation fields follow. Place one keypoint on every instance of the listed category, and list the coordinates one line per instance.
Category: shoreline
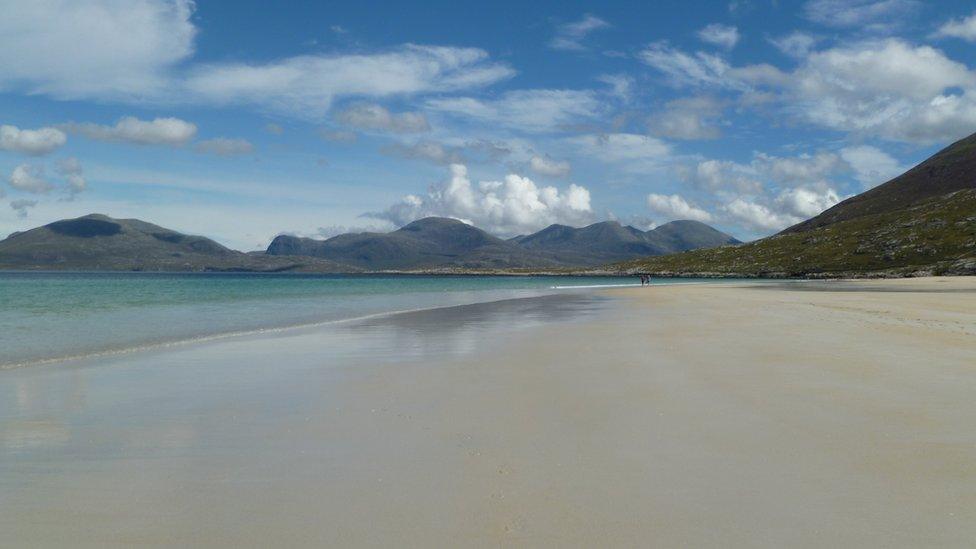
(762, 415)
(129, 349)
(961, 268)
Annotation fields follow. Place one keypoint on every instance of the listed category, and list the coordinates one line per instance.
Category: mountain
(923, 221)
(609, 241)
(99, 242)
(951, 169)
(432, 242)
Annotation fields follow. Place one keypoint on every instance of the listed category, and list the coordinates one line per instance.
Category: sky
(241, 120)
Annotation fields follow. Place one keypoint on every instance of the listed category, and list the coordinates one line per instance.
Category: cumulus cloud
(675, 207)
(762, 172)
(570, 35)
(796, 44)
(94, 49)
(224, 146)
(789, 207)
(515, 205)
(21, 206)
(721, 176)
(305, 86)
(888, 89)
(804, 202)
(70, 169)
(688, 118)
(29, 179)
(372, 117)
(31, 142)
(757, 216)
(543, 165)
(964, 29)
(537, 110)
(724, 36)
(874, 15)
(771, 192)
(429, 151)
(871, 165)
(129, 129)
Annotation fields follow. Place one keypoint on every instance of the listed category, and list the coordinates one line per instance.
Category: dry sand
(826, 414)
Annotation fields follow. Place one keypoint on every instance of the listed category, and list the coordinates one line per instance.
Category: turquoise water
(55, 315)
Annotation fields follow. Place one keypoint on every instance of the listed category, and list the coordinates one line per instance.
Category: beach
(763, 414)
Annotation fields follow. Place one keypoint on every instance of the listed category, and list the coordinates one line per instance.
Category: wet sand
(803, 415)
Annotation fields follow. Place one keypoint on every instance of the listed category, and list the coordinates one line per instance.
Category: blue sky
(242, 120)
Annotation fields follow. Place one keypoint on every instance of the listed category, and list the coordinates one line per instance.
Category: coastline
(814, 414)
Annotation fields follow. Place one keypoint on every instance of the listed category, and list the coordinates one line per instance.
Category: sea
(47, 317)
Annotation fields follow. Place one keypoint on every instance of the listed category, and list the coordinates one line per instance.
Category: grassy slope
(937, 235)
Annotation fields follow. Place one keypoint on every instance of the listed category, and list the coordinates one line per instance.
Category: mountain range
(921, 222)
(99, 242)
(437, 242)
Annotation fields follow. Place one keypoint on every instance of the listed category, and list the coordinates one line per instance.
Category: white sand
(702, 416)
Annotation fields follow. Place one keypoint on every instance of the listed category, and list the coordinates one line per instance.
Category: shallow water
(55, 315)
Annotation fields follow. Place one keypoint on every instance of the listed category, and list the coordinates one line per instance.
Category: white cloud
(888, 89)
(537, 110)
(159, 131)
(675, 207)
(871, 165)
(762, 172)
(515, 205)
(425, 150)
(688, 118)
(874, 15)
(796, 44)
(570, 35)
(224, 146)
(93, 49)
(722, 176)
(614, 147)
(274, 129)
(685, 69)
(372, 117)
(804, 202)
(724, 36)
(305, 86)
(139, 51)
(701, 69)
(29, 179)
(757, 216)
(621, 85)
(543, 165)
(70, 169)
(796, 170)
(32, 142)
(964, 28)
(21, 206)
